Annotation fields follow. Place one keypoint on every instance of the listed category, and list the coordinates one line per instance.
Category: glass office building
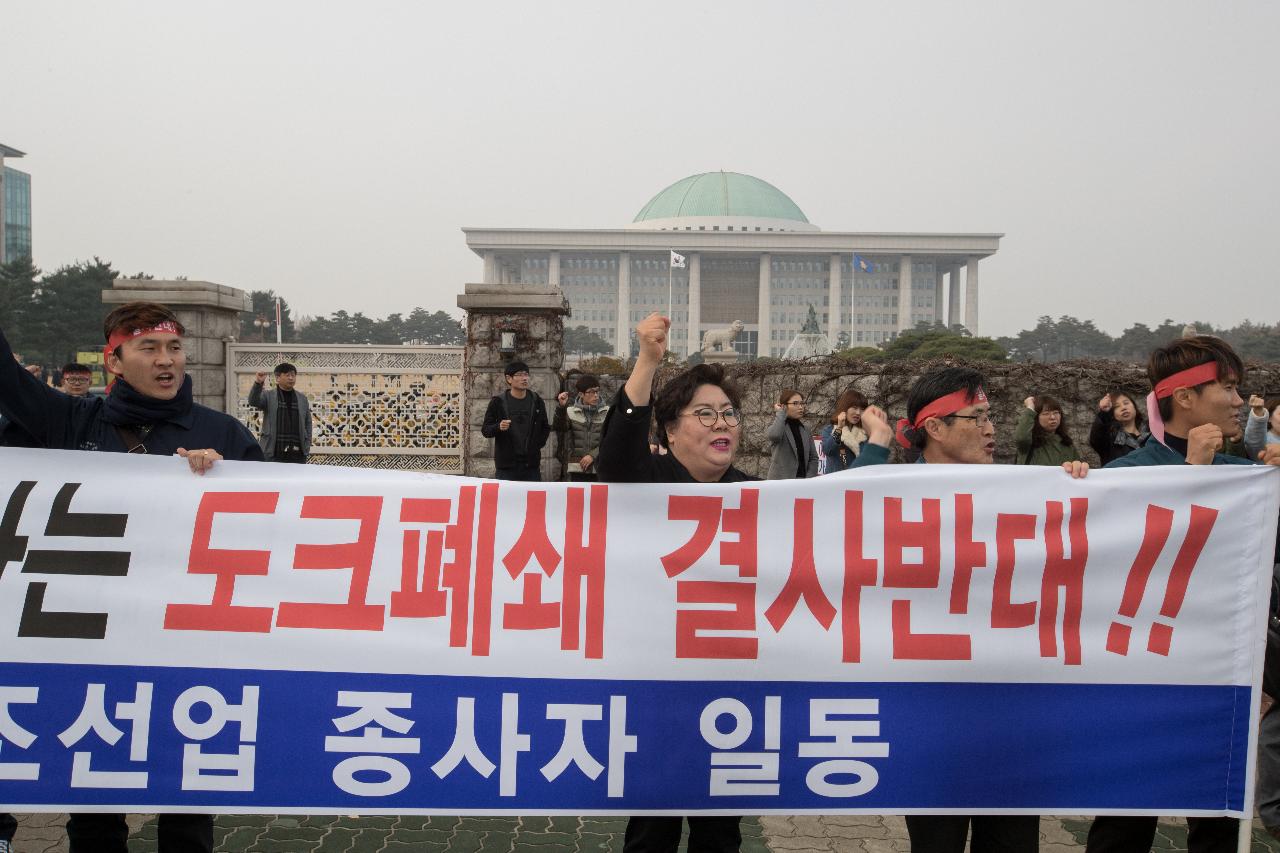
(17, 214)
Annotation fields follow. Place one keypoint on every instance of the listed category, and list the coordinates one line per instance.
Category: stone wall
(1077, 384)
(534, 316)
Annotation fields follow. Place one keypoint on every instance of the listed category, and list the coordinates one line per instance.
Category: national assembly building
(750, 254)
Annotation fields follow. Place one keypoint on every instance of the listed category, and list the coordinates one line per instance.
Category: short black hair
(285, 367)
(677, 393)
(586, 382)
(1185, 353)
(76, 367)
(932, 386)
(514, 367)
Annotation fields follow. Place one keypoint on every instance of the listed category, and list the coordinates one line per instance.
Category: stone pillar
(905, 300)
(971, 297)
(553, 270)
(534, 314)
(835, 307)
(622, 334)
(211, 314)
(939, 312)
(490, 267)
(764, 320)
(953, 296)
(695, 303)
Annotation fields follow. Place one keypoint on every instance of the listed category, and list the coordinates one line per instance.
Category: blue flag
(861, 264)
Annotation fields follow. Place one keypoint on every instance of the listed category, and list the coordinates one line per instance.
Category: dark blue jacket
(1155, 453)
(61, 422)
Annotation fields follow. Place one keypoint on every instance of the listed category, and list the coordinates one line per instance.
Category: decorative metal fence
(371, 406)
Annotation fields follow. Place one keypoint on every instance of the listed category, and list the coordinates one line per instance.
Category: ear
(933, 427)
(112, 363)
(1182, 398)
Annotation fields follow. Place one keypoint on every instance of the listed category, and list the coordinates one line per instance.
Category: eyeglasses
(795, 402)
(708, 417)
(979, 420)
(591, 391)
(77, 380)
(518, 374)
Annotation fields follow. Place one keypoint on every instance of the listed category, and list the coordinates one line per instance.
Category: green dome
(721, 194)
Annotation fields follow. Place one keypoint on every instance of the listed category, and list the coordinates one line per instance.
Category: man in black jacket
(149, 410)
(517, 422)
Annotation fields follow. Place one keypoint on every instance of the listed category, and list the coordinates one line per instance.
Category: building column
(904, 292)
(553, 270)
(764, 324)
(835, 307)
(622, 335)
(490, 267)
(971, 297)
(953, 297)
(939, 311)
(695, 303)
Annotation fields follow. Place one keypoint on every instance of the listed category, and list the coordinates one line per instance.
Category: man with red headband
(949, 422)
(1193, 406)
(149, 410)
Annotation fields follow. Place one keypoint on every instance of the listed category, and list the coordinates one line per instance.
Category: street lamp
(262, 323)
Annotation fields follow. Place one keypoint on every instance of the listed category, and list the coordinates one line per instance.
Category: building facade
(750, 255)
(15, 208)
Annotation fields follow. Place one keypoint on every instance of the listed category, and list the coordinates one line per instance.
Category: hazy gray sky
(332, 151)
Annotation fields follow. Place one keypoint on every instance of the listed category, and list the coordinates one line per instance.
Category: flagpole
(670, 274)
(279, 333)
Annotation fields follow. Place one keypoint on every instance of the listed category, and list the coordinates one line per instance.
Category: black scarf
(125, 406)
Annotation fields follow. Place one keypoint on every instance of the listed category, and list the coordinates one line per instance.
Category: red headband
(1189, 378)
(119, 336)
(939, 408)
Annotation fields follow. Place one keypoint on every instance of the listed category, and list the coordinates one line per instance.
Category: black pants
(992, 833)
(108, 833)
(531, 474)
(1136, 833)
(579, 477)
(8, 826)
(662, 834)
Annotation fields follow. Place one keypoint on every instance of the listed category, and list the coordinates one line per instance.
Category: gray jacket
(1257, 434)
(269, 402)
(785, 453)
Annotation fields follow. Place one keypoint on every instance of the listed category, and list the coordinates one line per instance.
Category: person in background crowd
(1263, 426)
(698, 419)
(1041, 435)
(286, 419)
(844, 438)
(1118, 427)
(517, 422)
(579, 426)
(76, 379)
(794, 456)
(1193, 406)
(149, 410)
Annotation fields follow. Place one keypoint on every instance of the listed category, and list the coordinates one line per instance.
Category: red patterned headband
(939, 408)
(119, 336)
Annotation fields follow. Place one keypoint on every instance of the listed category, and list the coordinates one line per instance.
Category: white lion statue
(721, 340)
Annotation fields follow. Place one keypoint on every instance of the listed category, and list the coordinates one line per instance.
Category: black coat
(516, 447)
(59, 421)
(625, 456)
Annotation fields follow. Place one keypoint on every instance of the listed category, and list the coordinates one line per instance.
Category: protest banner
(892, 640)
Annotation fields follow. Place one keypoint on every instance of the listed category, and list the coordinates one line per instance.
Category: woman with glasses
(794, 455)
(699, 424)
(1041, 434)
(697, 421)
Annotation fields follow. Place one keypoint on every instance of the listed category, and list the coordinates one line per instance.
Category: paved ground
(329, 834)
